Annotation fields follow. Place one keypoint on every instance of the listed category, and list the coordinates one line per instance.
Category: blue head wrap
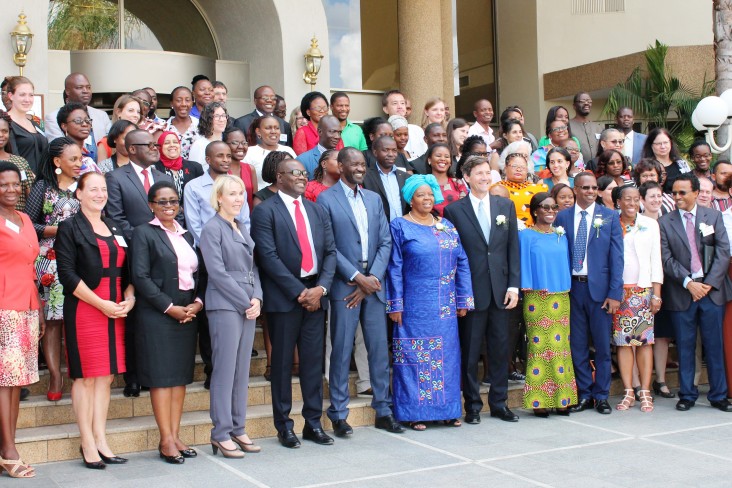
(415, 181)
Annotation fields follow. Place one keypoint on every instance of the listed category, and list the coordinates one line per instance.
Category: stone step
(37, 411)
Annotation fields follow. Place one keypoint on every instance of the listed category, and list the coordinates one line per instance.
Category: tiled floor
(664, 448)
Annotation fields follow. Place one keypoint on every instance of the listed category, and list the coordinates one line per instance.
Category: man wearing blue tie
(596, 260)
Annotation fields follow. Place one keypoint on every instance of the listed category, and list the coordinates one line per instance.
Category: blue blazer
(310, 159)
(638, 141)
(348, 240)
(605, 259)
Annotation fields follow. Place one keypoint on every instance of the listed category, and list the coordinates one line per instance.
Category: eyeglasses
(220, 116)
(548, 208)
(86, 121)
(662, 143)
(167, 203)
(618, 142)
(267, 99)
(588, 187)
(296, 173)
(150, 145)
(238, 143)
(572, 150)
(683, 193)
(559, 129)
(517, 167)
(320, 110)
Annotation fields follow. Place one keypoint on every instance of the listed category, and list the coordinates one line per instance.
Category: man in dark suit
(297, 256)
(596, 260)
(488, 230)
(127, 205)
(265, 101)
(386, 179)
(363, 245)
(695, 253)
(433, 134)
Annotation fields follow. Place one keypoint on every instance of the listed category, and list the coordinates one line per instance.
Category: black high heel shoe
(188, 453)
(112, 460)
(92, 465)
(658, 391)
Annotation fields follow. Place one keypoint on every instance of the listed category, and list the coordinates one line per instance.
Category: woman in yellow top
(516, 178)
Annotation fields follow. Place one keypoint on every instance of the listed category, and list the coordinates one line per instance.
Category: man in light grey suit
(363, 245)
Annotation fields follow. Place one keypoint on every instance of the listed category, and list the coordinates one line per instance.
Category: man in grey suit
(634, 141)
(695, 253)
(127, 205)
(363, 245)
(265, 101)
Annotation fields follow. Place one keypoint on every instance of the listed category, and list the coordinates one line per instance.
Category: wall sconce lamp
(21, 39)
(313, 60)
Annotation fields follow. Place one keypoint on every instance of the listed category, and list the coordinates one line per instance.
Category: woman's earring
(58, 171)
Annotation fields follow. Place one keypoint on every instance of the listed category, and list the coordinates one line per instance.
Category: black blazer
(494, 265)
(279, 256)
(372, 181)
(191, 170)
(401, 160)
(77, 253)
(154, 267)
(245, 121)
(127, 202)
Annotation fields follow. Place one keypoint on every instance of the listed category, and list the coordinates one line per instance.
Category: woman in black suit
(172, 163)
(165, 271)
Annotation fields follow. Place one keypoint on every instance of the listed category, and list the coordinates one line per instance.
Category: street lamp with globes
(710, 114)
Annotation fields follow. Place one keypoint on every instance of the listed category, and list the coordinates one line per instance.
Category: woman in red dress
(92, 266)
(325, 175)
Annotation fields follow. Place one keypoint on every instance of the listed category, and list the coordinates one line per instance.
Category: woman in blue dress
(428, 288)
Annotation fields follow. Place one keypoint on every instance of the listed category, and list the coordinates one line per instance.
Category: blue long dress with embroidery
(428, 280)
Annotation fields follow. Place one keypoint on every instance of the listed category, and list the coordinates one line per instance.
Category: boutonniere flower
(641, 227)
(597, 224)
(559, 231)
(501, 220)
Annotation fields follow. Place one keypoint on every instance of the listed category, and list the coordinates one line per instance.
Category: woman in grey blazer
(233, 302)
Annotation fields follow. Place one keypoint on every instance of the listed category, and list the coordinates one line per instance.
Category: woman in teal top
(545, 282)
(558, 162)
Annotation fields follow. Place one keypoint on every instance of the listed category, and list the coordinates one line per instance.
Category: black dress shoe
(563, 412)
(341, 428)
(583, 404)
(684, 405)
(188, 453)
(504, 414)
(288, 439)
(113, 459)
(24, 393)
(542, 413)
(472, 417)
(388, 422)
(177, 459)
(132, 390)
(207, 382)
(318, 436)
(603, 407)
(723, 405)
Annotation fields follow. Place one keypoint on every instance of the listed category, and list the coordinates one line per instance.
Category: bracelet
(130, 299)
(656, 297)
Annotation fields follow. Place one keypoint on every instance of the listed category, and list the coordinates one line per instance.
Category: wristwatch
(325, 290)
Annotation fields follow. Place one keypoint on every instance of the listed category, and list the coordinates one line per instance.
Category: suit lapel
(86, 229)
(470, 213)
(160, 232)
(343, 201)
(678, 224)
(285, 216)
(132, 175)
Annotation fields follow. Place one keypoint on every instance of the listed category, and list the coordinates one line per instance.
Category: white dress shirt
(477, 130)
(577, 216)
(138, 170)
(290, 204)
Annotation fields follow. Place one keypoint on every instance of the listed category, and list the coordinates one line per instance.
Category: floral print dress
(48, 207)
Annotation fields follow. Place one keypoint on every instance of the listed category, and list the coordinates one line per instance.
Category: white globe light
(695, 122)
(727, 97)
(711, 112)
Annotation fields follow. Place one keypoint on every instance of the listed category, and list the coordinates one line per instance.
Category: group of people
(417, 248)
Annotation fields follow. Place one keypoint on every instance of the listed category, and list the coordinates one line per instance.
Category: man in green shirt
(352, 135)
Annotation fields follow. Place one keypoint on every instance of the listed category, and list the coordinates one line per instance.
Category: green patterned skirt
(550, 381)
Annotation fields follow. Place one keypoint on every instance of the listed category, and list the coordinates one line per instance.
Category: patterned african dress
(428, 280)
(49, 207)
(545, 282)
(27, 178)
(521, 194)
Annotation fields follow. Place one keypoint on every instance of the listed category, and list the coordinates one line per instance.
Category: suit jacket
(279, 256)
(372, 181)
(127, 202)
(191, 171)
(154, 267)
(604, 256)
(245, 121)
(638, 141)
(648, 249)
(401, 160)
(494, 265)
(348, 240)
(230, 266)
(676, 255)
(77, 253)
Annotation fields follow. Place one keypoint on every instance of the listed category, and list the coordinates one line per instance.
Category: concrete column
(421, 66)
(448, 63)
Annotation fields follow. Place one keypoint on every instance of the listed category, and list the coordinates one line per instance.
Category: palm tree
(658, 97)
(86, 24)
(723, 54)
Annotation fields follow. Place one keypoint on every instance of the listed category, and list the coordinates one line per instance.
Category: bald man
(265, 102)
(329, 132)
(78, 89)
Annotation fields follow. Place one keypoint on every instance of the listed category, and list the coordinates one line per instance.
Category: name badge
(706, 230)
(23, 176)
(283, 137)
(120, 241)
(10, 225)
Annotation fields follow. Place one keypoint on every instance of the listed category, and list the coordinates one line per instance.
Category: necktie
(145, 180)
(691, 236)
(580, 243)
(302, 238)
(485, 224)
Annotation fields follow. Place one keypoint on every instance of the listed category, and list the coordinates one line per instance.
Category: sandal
(419, 426)
(627, 401)
(16, 468)
(646, 400)
(453, 423)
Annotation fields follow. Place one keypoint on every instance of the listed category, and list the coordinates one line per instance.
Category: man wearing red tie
(296, 253)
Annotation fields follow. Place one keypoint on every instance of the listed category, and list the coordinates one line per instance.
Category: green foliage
(659, 97)
(86, 24)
